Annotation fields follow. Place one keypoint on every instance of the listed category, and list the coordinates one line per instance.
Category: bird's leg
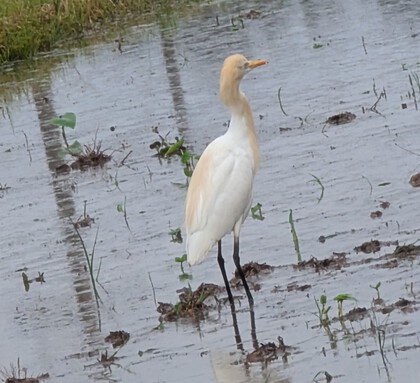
(221, 262)
(237, 262)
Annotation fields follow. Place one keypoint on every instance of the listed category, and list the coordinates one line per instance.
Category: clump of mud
(415, 180)
(402, 304)
(86, 221)
(92, 157)
(250, 269)
(368, 247)
(117, 338)
(268, 352)
(335, 262)
(191, 303)
(341, 118)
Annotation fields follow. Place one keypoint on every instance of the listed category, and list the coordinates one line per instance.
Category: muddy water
(327, 57)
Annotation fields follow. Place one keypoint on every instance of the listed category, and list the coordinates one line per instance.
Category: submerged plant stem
(281, 105)
(295, 237)
(89, 261)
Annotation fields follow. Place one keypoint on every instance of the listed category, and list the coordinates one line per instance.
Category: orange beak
(256, 63)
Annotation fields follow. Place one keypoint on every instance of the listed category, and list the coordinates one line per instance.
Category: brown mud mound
(268, 352)
(117, 338)
(341, 118)
(191, 303)
(250, 269)
(335, 262)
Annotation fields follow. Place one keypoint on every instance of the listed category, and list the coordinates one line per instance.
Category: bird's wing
(218, 196)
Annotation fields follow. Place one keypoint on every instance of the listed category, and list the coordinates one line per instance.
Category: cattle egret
(220, 191)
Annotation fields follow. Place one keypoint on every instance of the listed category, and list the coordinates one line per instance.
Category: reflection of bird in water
(220, 192)
(228, 368)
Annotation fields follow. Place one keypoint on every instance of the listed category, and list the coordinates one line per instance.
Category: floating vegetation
(86, 156)
(166, 149)
(27, 281)
(176, 235)
(256, 212)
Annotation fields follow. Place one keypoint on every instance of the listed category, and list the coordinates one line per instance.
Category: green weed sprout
(68, 120)
(323, 310)
(340, 298)
(122, 208)
(318, 181)
(176, 235)
(376, 287)
(256, 212)
(184, 276)
(295, 237)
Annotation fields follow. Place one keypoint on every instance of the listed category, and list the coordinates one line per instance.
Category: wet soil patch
(410, 251)
(250, 270)
(92, 157)
(295, 287)
(335, 262)
(376, 214)
(341, 118)
(191, 303)
(373, 246)
(402, 304)
(84, 222)
(368, 247)
(415, 180)
(118, 338)
(268, 352)
(356, 314)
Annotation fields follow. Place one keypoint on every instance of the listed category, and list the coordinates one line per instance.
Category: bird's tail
(198, 247)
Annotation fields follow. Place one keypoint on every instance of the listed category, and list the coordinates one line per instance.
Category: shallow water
(168, 77)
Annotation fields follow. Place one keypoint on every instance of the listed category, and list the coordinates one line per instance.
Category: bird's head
(235, 67)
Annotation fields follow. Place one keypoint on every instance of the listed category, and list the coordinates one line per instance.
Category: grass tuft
(31, 26)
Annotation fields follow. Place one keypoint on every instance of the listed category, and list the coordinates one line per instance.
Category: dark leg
(221, 262)
(237, 261)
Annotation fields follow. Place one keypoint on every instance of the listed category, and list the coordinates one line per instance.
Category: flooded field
(355, 212)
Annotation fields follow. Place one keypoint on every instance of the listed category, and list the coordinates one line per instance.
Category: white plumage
(220, 192)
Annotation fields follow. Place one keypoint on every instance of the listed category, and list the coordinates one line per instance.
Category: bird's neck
(241, 122)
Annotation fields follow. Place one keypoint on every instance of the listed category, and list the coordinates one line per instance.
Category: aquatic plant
(183, 276)
(256, 212)
(340, 298)
(166, 149)
(376, 288)
(122, 208)
(280, 103)
(295, 237)
(323, 310)
(176, 235)
(318, 181)
(84, 220)
(89, 262)
(68, 120)
(90, 155)
(20, 374)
